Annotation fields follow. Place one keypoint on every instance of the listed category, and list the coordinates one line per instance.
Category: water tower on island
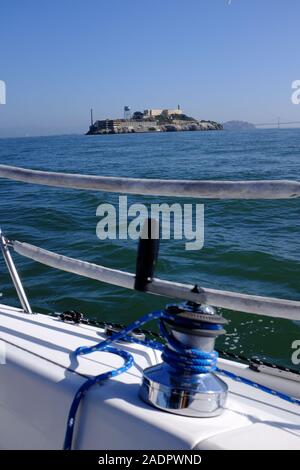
(127, 113)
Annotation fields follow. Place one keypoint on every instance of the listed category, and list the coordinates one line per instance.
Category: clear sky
(218, 59)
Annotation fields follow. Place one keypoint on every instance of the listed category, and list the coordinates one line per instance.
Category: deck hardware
(147, 254)
(184, 383)
(71, 316)
(111, 330)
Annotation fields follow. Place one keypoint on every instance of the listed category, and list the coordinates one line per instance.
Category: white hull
(38, 382)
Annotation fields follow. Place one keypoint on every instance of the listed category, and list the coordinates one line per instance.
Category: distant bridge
(278, 123)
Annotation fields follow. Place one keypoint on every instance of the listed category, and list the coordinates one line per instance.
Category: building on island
(149, 113)
(152, 113)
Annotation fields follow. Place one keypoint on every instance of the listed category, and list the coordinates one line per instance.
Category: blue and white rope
(179, 357)
(263, 388)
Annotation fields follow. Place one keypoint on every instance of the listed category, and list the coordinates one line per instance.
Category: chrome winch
(184, 383)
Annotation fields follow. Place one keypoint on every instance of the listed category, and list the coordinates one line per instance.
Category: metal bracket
(14, 274)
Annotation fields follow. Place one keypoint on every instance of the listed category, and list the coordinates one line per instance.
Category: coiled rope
(175, 354)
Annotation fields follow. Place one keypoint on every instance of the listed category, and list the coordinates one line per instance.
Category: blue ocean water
(250, 246)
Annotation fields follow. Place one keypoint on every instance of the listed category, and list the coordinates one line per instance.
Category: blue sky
(217, 60)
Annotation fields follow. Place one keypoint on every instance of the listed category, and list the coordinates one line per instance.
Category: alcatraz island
(151, 120)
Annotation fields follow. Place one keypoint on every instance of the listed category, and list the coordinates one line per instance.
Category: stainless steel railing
(258, 305)
(14, 274)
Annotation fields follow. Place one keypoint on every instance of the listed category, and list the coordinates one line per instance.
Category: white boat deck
(39, 379)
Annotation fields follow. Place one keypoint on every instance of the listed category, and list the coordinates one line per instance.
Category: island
(151, 120)
(238, 126)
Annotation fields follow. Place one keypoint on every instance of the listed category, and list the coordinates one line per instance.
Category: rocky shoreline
(129, 127)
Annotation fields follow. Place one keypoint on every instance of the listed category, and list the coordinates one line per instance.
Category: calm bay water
(250, 246)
